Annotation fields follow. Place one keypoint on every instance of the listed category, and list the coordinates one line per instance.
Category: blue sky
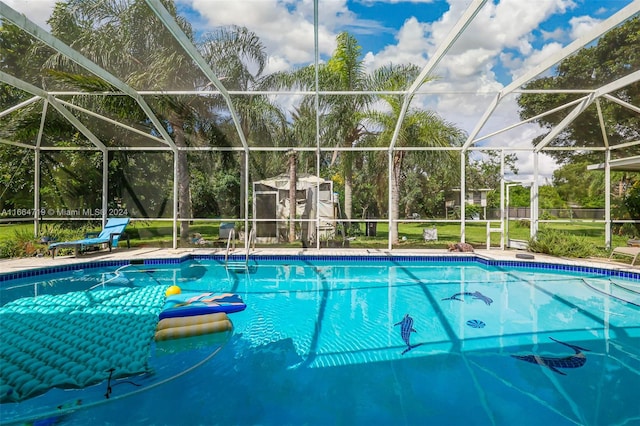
(505, 39)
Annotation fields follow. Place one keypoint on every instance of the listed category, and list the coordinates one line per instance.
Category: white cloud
(469, 63)
(556, 34)
(525, 165)
(412, 37)
(507, 25)
(286, 28)
(520, 66)
(581, 25)
(276, 64)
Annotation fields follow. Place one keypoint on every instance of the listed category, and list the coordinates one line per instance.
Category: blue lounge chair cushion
(110, 234)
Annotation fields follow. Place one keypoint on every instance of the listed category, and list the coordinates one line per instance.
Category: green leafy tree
(550, 199)
(632, 202)
(340, 115)
(126, 39)
(19, 57)
(519, 196)
(16, 177)
(579, 186)
(346, 72)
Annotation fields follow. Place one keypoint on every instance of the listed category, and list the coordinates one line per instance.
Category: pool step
(237, 266)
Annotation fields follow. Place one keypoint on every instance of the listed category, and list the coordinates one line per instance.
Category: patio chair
(110, 234)
(633, 252)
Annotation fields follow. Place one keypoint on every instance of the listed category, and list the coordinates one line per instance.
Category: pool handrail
(231, 238)
(250, 243)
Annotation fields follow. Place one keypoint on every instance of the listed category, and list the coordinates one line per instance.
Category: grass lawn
(149, 233)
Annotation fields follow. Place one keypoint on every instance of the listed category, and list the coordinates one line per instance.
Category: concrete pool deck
(21, 264)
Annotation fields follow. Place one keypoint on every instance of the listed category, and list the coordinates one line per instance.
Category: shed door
(266, 209)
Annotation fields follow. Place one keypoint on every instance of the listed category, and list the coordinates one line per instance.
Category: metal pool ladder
(231, 245)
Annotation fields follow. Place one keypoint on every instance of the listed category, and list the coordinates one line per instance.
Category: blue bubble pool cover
(76, 339)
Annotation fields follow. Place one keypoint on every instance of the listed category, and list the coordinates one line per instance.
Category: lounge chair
(110, 234)
(633, 252)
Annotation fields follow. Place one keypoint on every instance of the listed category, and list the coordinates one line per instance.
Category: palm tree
(418, 128)
(340, 114)
(345, 72)
(238, 57)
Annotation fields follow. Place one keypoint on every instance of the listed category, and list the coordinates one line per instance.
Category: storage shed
(315, 208)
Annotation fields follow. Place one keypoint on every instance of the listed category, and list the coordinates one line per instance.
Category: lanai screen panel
(141, 184)
(171, 74)
(16, 195)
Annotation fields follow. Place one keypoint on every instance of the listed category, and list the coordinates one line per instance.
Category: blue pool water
(321, 342)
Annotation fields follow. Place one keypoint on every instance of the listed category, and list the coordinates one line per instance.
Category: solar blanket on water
(76, 339)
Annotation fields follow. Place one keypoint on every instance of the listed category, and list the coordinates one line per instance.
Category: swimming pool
(321, 342)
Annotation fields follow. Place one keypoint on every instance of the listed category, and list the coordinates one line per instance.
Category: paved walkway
(13, 265)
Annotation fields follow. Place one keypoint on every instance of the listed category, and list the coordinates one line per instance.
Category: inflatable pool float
(196, 325)
(188, 304)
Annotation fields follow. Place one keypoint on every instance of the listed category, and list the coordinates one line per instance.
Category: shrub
(626, 230)
(24, 244)
(472, 210)
(560, 243)
(9, 248)
(546, 215)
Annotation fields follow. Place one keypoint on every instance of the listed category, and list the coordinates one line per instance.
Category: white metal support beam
(464, 21)
(463, 195)
(316, 101)
(607, 199)
(105, 187)
(171, 25)
(622, 103)
(29, 88)
(483, 120)
(36, 193)
(603, 128)
(30, 27)
(534, 198)
(176, 196)
(565, 122)
(110, 121)
(528, 120)
(625, 145)
(20, 105)
(607, 178)
(618, 84)
(390, 195)
(577, 44)
(18, 144)
(36, 171)
(502, 189)
(597, 31)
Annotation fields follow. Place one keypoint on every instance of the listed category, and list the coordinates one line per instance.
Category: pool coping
(29, 267)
